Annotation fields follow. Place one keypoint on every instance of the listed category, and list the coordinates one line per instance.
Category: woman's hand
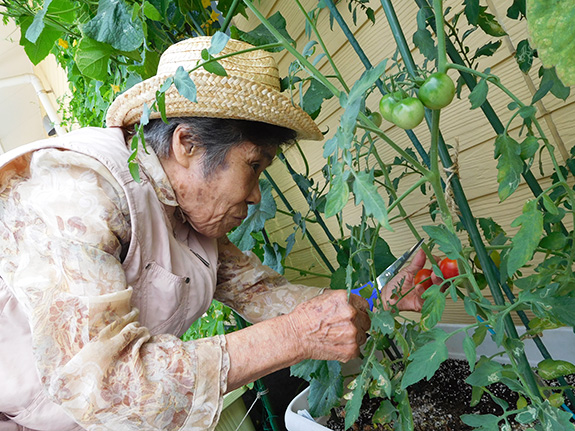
(393, 292)
(330, 327)
(325, 327)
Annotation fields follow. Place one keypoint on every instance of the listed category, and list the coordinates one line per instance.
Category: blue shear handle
(372, 297)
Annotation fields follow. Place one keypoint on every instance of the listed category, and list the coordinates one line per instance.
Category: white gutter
(30, 78)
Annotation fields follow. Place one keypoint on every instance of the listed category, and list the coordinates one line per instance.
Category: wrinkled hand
(331, 328)
(412, 301)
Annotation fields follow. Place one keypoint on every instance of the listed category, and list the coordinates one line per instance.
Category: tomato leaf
(446, 240)
(365, 191)
(517, 9)
(472, 11)
(487, 50)
(479, 94)
(326, 384)
(382, 321)
(550, 369)
(338, 194)
(549, 79)
(261, 35)
(358, 388)
(527, 238)
(547, 303)
(433, 307)
(509, 166)
(314, 96)
(524, 55)
(486, 373)
(113, 15)
(553, 35)
(489, 24)
(185, 85)
(470, 351)
(255, 221)
(425, 361)
(529, 147)
(482, 422)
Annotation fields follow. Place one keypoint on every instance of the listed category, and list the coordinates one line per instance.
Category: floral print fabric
(64, 226)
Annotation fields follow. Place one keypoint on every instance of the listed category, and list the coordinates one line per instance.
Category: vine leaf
(524, 55)
(92, 58)
(113, 15)
(37, 25)
(257, 216)
(38, 51)
(185, 85)
(509, 166)
(553, 35)
(425, 361)
(527, 238)
(365, 191)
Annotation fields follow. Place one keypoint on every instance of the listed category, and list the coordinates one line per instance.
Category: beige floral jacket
(64, 230)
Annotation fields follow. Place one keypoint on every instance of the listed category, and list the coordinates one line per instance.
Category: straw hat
(250, 91)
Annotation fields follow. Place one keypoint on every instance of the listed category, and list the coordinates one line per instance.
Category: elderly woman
(101, 274)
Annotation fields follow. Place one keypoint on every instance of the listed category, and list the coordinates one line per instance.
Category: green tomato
(386, 105)
(407, 113)
(375, 118)
(437, 91)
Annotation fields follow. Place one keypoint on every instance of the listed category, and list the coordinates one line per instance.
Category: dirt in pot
(437, 404)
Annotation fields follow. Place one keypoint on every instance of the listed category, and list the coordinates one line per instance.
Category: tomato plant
(449, 268)
(423, 277)
(437, 91)
(407, 113)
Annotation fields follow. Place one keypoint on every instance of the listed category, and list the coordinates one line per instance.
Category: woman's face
(219, 202)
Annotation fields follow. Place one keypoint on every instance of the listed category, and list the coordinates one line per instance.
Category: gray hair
(216, 135)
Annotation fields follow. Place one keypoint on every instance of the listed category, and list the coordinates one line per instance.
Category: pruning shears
(383, 278)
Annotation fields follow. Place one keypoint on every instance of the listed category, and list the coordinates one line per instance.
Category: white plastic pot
(560, 343)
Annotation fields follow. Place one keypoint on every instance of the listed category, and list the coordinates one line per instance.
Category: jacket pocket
(164, 298)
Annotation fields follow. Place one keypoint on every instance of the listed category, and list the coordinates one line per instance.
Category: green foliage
(553, 34)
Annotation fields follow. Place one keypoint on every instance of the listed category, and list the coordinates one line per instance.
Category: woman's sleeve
(254, 290)
(62, 232)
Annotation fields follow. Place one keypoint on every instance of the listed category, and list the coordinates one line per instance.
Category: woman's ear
(182, 146)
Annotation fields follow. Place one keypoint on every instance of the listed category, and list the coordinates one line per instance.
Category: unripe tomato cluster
(436, 92)
(448, 268)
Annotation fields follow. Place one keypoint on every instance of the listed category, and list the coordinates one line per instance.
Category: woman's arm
(254, 290)
(325, 327)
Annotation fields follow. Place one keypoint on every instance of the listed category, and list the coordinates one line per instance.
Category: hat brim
(217, 97)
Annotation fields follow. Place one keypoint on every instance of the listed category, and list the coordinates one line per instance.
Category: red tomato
(421, 275)
(449, 268)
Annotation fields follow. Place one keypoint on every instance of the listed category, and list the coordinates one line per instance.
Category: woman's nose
(255, 195)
